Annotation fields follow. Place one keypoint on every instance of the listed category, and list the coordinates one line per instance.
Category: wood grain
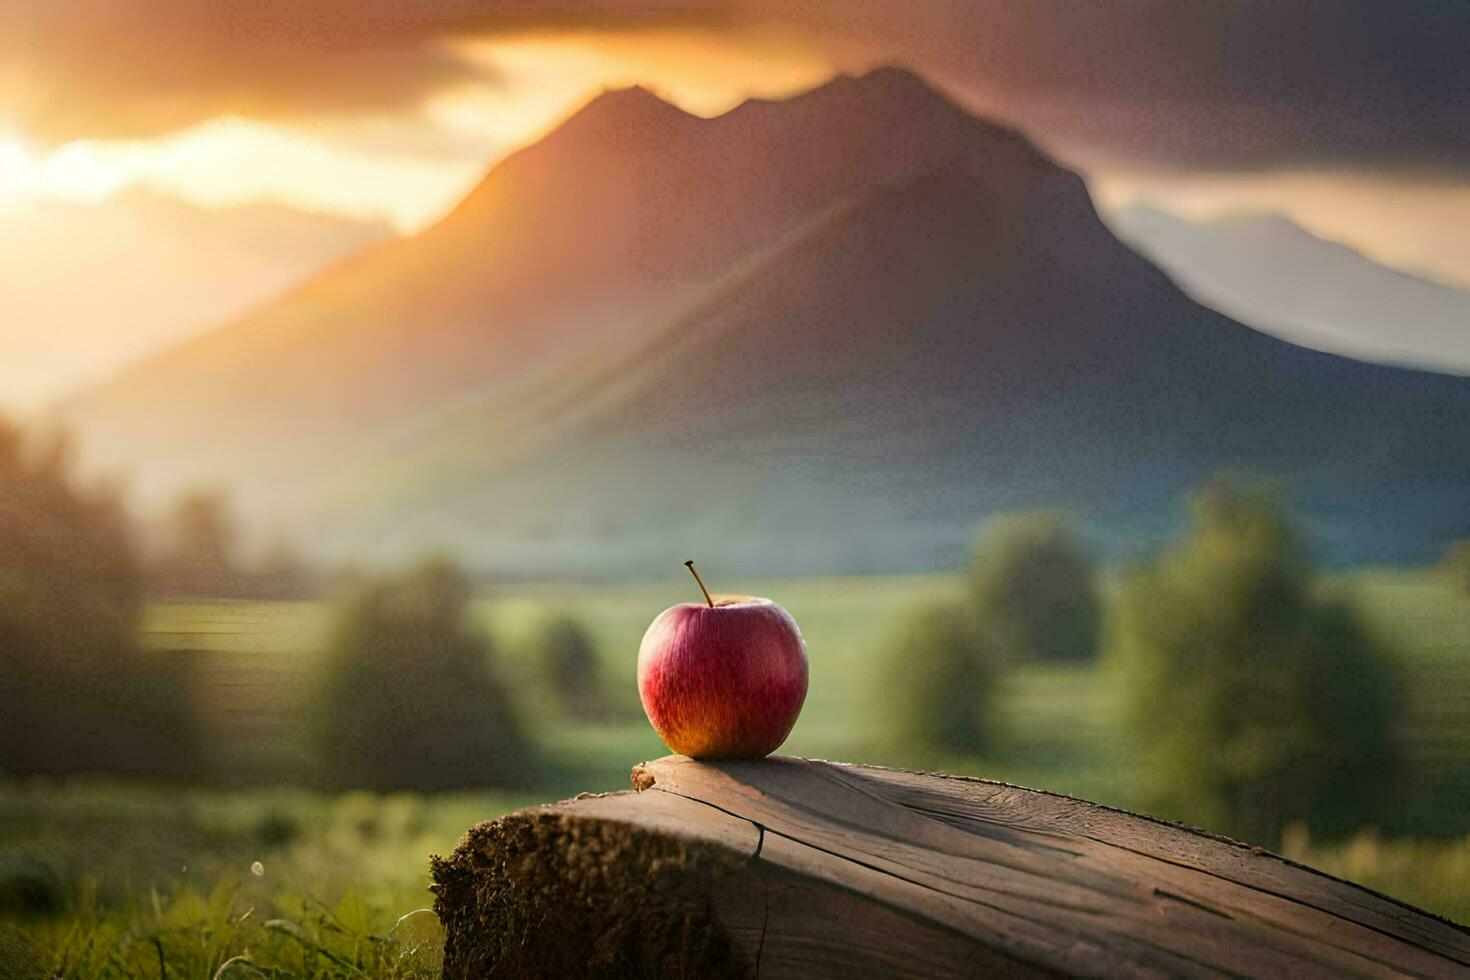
(825, 869)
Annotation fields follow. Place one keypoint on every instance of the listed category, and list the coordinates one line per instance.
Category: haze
(391, 119)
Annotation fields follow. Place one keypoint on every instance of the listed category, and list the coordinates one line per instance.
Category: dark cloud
(110, 68)
(1217, 85)
(1209, 84)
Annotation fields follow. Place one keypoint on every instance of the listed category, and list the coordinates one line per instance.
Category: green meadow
(100, 878)
(1057, 725)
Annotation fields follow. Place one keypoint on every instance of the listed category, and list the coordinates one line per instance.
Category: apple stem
(690, 565)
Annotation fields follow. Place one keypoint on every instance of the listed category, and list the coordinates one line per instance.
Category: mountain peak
(633, 105)
(894, 78)
(886, 99)
(881, 89)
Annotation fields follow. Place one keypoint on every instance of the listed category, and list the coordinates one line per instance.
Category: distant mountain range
(90, 288)
(1269, 272)
(827, 333)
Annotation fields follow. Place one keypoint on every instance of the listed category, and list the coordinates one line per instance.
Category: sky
(156, 271)
(1347, 117)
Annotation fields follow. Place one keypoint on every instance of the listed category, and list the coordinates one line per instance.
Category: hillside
(958, 353)
(609, 225)
(826, 333)
(156, 269)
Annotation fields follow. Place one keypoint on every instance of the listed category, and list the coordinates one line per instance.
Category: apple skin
(724, 681)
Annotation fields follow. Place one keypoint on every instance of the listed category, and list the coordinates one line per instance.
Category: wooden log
(795, 868)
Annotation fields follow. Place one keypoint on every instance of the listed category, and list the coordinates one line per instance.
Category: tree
(196, 553)
(76, 694)
(409, 698)
(1249, 700)
(936, 682)
(567, 662)
(1033, 588)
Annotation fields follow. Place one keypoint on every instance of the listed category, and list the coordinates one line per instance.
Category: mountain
(826, 333)
(156, 270)
(1269, 272)
(572, 246)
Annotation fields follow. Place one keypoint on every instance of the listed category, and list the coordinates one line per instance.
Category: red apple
(723, 679)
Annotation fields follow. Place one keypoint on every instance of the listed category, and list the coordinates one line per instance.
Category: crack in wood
(1406, 940)
(1012, 913)
(958, 816)
(1189, 901)
(1112, 895)
(1412, 918)
(765, 919)
(1190, 829)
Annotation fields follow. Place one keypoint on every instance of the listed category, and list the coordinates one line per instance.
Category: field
(106, 879)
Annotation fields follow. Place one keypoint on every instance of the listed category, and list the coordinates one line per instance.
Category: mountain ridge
(439, 275)
(804, 345)
(157, 269)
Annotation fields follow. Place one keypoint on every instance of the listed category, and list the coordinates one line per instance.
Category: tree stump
(794, 868)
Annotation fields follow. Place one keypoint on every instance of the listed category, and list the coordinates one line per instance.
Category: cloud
(138, 68)
(1212, 84)
(1235, 84)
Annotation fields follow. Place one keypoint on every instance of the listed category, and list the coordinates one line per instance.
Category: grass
(101, 879)
(104, 879)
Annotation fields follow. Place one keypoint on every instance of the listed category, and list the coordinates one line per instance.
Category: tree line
(1252, 695)
(407, 678)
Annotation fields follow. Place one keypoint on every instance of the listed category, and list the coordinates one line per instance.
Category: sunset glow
(351, 133)
(18, 170)
(231, 161)
(407, 168)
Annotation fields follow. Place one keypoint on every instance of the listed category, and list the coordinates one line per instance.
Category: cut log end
(787, 867)
(547, 893)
